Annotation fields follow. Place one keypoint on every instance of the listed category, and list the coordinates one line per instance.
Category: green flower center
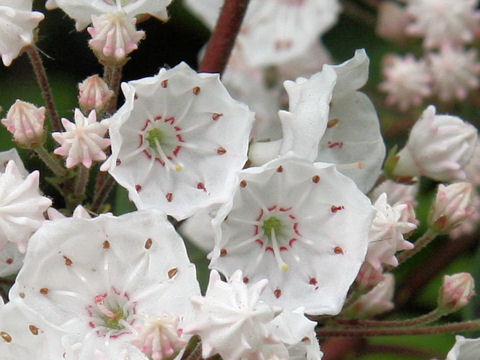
(155, 136)
(113, 322)
(272, 224)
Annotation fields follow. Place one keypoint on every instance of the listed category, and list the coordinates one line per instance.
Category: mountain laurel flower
(464, 349)
(302, 226)
(386, 234)
(93, 94)
(455, 292)
(17, 22)
(21, 206)
(25, 121)
(439, 147)
(470, 224)
(231, 320)
(443, 21)
(376, 301)
(454, 72)
(114, 36)
(407, 81)
(11, 260)
(178, 141)
(124, 293)
(82, 142)
(451, 206)
(83, 10)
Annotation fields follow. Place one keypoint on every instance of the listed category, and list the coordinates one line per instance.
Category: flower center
(272, 224)
(155, 136)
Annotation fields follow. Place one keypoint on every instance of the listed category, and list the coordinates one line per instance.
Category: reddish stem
(223, 37)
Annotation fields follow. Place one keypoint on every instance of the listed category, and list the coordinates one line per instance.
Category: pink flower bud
(392, 21)
(25, 122)
(452, 205)
(377, 301)
(368, 276)
(93, 94)
(456, 291)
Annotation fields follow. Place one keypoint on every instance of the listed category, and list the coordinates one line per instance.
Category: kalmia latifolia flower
(178, 141)
(17, 22)
(124, 293)
(443, 21)
(439, 147)
(83, 141)
(456, 291)
(83, 10)
(464, 349)
(25, 122)
(407, 81)
(93, 94)
(302, 226)
(21, 206)
(275, 31)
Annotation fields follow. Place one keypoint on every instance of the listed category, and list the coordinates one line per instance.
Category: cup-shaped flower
(231, 319)
(387, 231)
(93, 94)
(178, 141)
(117, 286)
(376, 301)
(25, 122)
(451, 206)
(464, 349)
(21, 206)
(114, 36)
(25, 334)
(83, 10)
(439, 146)
(456, 291)
(82, 142)
(302, 226)
(17, 21)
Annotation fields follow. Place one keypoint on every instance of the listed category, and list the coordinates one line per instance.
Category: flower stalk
(50, 161)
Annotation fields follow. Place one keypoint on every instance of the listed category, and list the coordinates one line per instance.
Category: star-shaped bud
(439, 147)
(302, 226)
(83, 141)
(25, 122)
(21, 206)
(17, 22)
(120, 293)
(387, 231)
(178, 141)
(232, 320)
(114, 36)
(456, 291)
(83, 10)
(93, 94)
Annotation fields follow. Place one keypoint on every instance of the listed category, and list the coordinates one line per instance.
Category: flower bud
(439, 146)
(25, 122)
(114, 36)
(456, 291)
(452, 205)
(93, 94)
(377, 301)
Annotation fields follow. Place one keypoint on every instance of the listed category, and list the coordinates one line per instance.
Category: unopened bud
(456, 291)
(452, 205)
(376, 301)
(368, 277)
(93, 94)
(25, 122)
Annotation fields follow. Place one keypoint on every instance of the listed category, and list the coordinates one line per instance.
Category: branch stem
(50, 161)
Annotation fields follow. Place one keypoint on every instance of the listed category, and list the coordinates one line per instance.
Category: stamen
(276, 251)
(351, 166)
(168, 163)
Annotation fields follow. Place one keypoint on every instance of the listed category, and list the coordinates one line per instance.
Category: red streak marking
(221, 150)
(295, 228)
(255, 232)
(141, 140)
(91, 324)
(146, 124)
(177, 149)
(160, 161)
(338, 144)
(216, 116)
(336, 208)
(169, 197)
(283, 248)
(271, 208)
(313, 281)
(164, 83)
(147, 153)
(269, 248)
(180, 138)
(259, 242)
(292, 217)
(260, 216)
(332, 123)
(292, 240)
(158, 117)
(170, 120)
(178, 128)
(285, 209)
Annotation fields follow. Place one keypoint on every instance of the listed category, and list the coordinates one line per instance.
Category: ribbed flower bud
(93, 94)
(452, 205)
(456, 291)
(25, 122)
(439, 146)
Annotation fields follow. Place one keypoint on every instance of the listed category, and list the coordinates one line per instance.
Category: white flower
(439, 146)
(231, 320)
(93, 93)
(114, 36)
(83, 141)
(83, 10)
(112, 284)
(302, 226)
(11, 260)
(178, 141)
(275, 31)
(407, 81)
(396, 192)
(25, 334)
(21, 206)
(455, 72)
(17, 21)
(25, 122)
(443, 21)
(386, 233)
(12, 154)
(464, 349)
